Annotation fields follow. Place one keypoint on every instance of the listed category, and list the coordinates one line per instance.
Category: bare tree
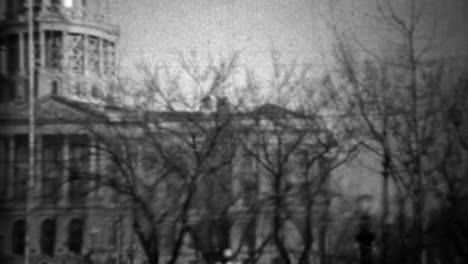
(296, 152)
(447, 228)
(395, 98)
(160, 154)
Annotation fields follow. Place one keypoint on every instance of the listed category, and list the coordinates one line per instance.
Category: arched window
(55, 87)
(75, 235)
(48, 233)
(96, 91)
(18, 237)
(113, 233)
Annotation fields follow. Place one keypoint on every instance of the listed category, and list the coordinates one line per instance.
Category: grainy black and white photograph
(233, 132)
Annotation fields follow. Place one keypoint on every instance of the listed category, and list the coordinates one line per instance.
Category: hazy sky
(152, 30)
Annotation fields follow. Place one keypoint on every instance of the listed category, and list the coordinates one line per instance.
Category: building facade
(72, 218)
(74, 57)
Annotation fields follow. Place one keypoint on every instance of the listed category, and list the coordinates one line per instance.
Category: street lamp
(219, 256)
(365, 237)
(227, 256)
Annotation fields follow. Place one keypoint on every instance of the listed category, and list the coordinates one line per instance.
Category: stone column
(64, 51)
(65, 171)
(85, 55)
(93, 152)
(38, 189)
(22, 58)
(42, 47)
(101, 56)
(44, 5)
(11, 166)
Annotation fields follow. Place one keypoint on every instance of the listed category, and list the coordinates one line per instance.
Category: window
(8, 90)
(250, 187)
(13, 54)
(109, 57)
(21, 168)
(113, 233)
(11, 90)
(3, 56)
(93, 54)
(96, 92)
(76, 56)
(2, 245)
(214, 233)
(52, 155)
(250, 236)
(76, 88)
(167, 237)
(18, 237)
(37, 5)
(21, 87)
(75, 235)
(79, 167)
(53, 52)
(47, 240)
(55, 87)
(4, 149)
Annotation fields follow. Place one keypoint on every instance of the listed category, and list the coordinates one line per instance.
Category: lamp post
(227, 256)
(365, 237)
(219, 256)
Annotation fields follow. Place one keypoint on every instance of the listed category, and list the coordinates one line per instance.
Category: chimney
(223, 107)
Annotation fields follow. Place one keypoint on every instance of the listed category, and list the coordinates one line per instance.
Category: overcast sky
(152, 30)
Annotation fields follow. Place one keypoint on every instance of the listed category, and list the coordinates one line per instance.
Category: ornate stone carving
(109, 58)
(75, 53)
(77, 89)
(54, 42)
(93, 54)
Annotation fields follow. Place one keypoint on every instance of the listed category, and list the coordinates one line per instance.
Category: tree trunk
(385, 209)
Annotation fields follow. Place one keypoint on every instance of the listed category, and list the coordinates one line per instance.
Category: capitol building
(82, 204)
